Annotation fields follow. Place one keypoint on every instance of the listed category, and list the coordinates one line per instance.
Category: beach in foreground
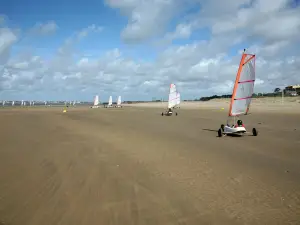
(133, 166)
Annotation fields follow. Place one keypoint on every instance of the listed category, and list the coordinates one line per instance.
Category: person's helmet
(239, 122)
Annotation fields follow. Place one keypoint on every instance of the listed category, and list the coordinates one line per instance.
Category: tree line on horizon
(275, 93)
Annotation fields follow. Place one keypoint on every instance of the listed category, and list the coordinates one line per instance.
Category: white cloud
(182, 31)
(47, 28)
(92, 28)
(7, 38)
(68, 47)
(268, 21)
(146, 19)
(199, 68)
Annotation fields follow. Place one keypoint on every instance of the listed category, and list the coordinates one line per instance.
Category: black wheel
(162, 113)
(254, 132)
(176, 114)
(220, 132)
(222, 127)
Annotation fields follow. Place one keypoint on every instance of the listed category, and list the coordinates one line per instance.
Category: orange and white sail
(244, 86)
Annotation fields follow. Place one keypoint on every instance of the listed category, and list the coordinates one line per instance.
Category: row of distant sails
(110, 102)
(21, 103)
(173, 101)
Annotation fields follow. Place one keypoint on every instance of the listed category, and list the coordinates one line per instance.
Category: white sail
(243, 87)
(119, 101)
(110, 101)
(13, 103)
(172, 96)
(22, 102)
(178, 99)
(96, 100)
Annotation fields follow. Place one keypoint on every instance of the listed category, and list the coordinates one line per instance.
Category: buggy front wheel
(254, 132)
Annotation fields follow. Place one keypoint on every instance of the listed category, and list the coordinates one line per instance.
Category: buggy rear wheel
(162, 114)
(254, 132)
(176, 113)
(220, 132)
(222, 127)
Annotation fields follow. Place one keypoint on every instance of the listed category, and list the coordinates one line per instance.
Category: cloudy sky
(72, 50)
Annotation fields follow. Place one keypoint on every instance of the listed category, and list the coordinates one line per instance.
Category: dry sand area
(133, 166)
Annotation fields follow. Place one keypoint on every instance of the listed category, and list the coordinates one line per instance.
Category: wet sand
(133, 166)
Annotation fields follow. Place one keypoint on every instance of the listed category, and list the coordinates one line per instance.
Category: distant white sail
(172, 96)
(110, 101)
(119, 101)
(22, 102)
(96, 100)
(178, 98)
(13, 103)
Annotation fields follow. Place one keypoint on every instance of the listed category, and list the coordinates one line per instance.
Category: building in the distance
(292, 90)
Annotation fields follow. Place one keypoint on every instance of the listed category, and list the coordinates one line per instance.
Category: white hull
(167, 113)
(234, 130)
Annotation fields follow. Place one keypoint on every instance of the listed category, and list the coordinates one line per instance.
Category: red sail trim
(243, 98)
(246, 81)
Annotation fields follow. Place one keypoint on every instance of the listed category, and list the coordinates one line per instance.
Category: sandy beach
(133, 166)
